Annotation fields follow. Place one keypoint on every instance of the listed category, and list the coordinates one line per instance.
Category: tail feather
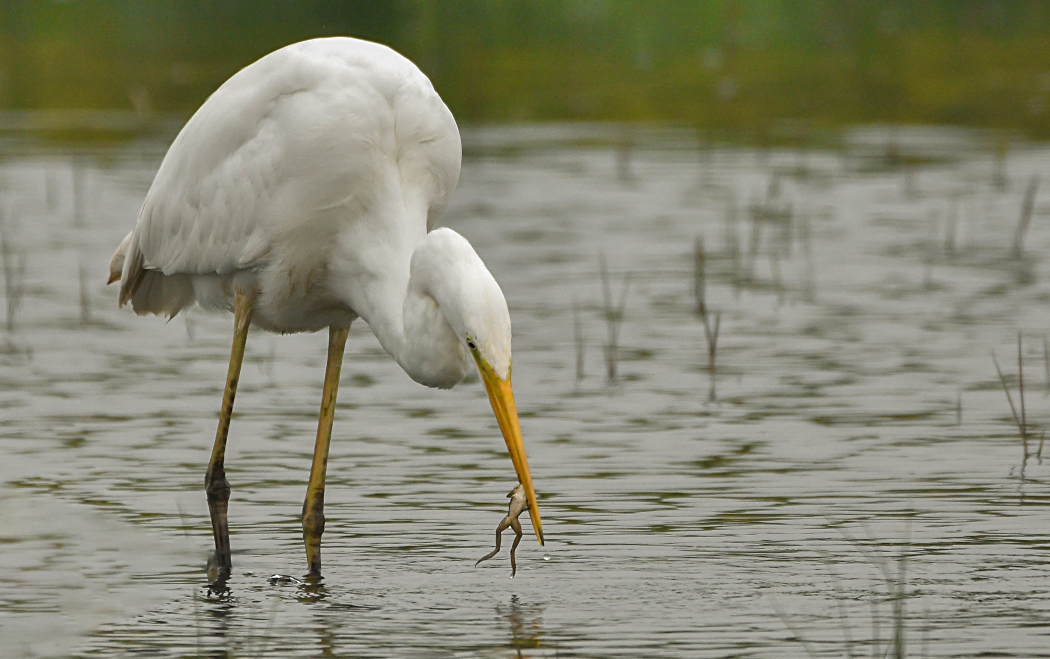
(116, 264)
(133, 275)
(148, 291)
(162, 295)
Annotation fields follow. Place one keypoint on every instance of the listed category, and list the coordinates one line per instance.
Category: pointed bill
(502, 398)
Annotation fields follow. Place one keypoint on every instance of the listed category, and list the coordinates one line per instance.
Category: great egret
(301, 196)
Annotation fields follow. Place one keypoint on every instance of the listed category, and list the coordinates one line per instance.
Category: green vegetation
(739, 66)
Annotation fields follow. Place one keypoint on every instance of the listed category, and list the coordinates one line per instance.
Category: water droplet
(546, 557)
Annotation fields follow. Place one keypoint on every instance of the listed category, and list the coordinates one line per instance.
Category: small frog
(518, 505)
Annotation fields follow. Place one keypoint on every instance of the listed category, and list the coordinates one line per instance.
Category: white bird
(302, 196)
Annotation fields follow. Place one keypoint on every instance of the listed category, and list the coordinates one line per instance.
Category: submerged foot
(518, 504)
(218, 574)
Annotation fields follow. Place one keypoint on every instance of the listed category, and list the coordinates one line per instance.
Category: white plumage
(309, 182)
(265, 175)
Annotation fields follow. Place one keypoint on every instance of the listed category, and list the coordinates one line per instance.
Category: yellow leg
(313, 507)
(215, 483)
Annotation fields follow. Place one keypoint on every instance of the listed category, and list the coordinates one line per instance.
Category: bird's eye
(470, 344)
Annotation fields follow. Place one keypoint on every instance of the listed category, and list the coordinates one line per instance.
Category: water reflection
(312, 590)
(230, 626)
(525, 622)
(325, 637)
(217, 614)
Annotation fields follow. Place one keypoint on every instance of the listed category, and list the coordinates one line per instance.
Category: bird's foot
(218, 575)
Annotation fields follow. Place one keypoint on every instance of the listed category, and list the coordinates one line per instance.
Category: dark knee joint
(313, 517)
(216, 485)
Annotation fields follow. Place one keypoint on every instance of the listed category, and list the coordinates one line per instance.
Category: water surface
(857, 418)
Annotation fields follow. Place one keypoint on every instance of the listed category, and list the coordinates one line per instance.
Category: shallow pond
(855, 477)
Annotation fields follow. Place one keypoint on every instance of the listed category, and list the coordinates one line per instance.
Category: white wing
(299, 132)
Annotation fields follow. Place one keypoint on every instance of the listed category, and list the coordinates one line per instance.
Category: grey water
(856, 476)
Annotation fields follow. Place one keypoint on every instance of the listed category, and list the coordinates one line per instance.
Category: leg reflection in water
(526, 624)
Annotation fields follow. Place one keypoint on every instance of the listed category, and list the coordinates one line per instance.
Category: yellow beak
(501, 395)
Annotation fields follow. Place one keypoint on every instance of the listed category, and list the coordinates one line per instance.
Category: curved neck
(430, 351)
(411, 319)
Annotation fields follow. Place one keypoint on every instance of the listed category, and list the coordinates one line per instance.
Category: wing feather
(206, 210)
(284, 148)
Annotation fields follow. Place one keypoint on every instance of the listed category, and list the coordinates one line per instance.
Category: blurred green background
(743, 67)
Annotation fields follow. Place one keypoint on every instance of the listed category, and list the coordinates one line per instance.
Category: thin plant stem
(613, 318)
(78, 193)
(1013, 408)
(931, 252)
(795, 631)
(732, 240)
(778, 280)
(805, 236)
(700, 293)
(1027, 206)
(85, 299)
(876, 633)
(949, 231)
(753, 245)
(578, 336)
(847, 633)
(899, 603)
(896, 591)
(1046, 362)
(13, 264)
(1020, 386)
(711, 334)
(700, 277)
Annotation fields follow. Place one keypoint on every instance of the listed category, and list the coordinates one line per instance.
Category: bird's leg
(215, 483)
(313, 507)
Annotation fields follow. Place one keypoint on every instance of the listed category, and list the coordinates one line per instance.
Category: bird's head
(476, 309)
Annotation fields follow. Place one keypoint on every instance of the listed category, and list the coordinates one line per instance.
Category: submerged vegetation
(749, 69)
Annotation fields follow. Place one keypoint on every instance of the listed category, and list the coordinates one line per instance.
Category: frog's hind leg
(499, 532)
(517, 538)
